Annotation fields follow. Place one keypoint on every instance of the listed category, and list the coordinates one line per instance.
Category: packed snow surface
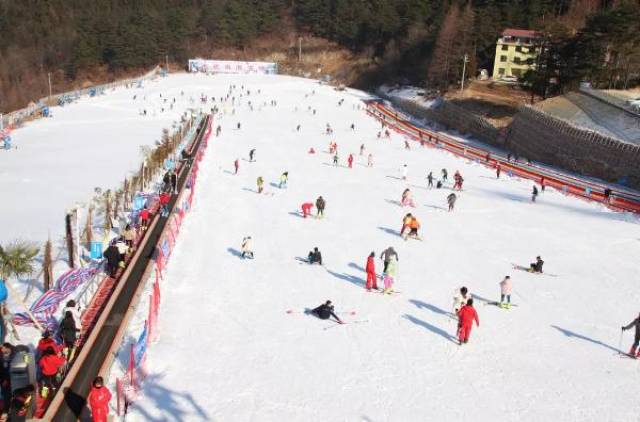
(93, 142)
(229, 351)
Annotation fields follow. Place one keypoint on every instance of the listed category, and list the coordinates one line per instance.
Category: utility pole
(300, 49)
(49, 76)
(465, 60)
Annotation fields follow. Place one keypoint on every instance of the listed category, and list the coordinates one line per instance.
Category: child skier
(451, 200)
(260, 183)
(405, 223)
(335, 159)
(251, 154)
(444, 175)
(362, 149)
(284, 178)
(636, 341)
(458, 181)
(371, 272)
(414, 225)
(236, 165)
(534, 193)
(315, 256)
(430, 180)
(498, 169)
(350, 161)
(326, 311)
(460, 297)
(405, 171)
(536, 267)
(505, 292)
(246, 247)
(390, 275)
(306, 209)
(466, 315)
(407, 200)
(370, 160)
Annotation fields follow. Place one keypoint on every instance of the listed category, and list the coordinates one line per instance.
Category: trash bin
(23, 368)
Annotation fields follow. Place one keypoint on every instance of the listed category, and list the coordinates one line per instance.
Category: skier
(69, 333)
(430, 180)
(284, 178)
(414, 225)
(144, 218)
(173, 177)
(113, 258)
(406, 144)
(460, 297)
(405, 171)
(298, 128)
(370, 160)
(315, 256)
(466, 315)
(129, 235)
(542, 184)
(362, 149)
(50, 363)
(246, 247)
(405, 223)
(407, 200)
(390, 275)
(444, 175)
(251, 154)
(326, 311)
(451, 200)
(320, 204)
(534, 193)
(350, 160)
(458, 181)
(306, 209)
(536, 267)
(505, 292)
(98, 399)
(386, 256)
(260, 183)
(439, 184)
(371, 272)
(607, 195)
(236, 164)
(498, 169)
(636, 341)
(238, 126)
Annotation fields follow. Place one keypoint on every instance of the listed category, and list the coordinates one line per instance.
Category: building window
(516, 72)
(519, 48)
(516, 60)
(530, 61)
(503, 58)
(501, 71)
(505, 47)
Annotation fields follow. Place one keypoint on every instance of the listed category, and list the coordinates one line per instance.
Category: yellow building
(516, 52)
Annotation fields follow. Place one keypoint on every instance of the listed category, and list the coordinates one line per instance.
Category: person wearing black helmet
(326, 311)
(315, 257)
(536, 267)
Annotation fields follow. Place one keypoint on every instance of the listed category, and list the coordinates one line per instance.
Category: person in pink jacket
(505, 292)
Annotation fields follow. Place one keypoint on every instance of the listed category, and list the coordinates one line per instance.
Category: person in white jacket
(246, 247)
(505, 292)
(72, 307)
(460, 298)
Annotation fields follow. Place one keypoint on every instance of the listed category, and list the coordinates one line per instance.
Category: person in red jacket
(164, 199)
(98, 399)
(350, 160)
(47, 341)
(50, 363)
(144, 218)
(466, 315)
(371, 272)
(306, 209)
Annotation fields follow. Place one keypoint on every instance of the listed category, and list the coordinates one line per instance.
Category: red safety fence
(620, 200)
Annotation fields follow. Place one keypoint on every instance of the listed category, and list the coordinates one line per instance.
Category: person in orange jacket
(371, 272)
(98, 399)
(405, 223)
(466, 315)
(413, 225)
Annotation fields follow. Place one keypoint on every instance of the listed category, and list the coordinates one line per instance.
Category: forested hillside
(421, 40)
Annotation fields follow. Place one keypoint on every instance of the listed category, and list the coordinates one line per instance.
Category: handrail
(620, 200)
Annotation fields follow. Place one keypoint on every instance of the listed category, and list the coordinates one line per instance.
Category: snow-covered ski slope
(94, 142)
(229, 351)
